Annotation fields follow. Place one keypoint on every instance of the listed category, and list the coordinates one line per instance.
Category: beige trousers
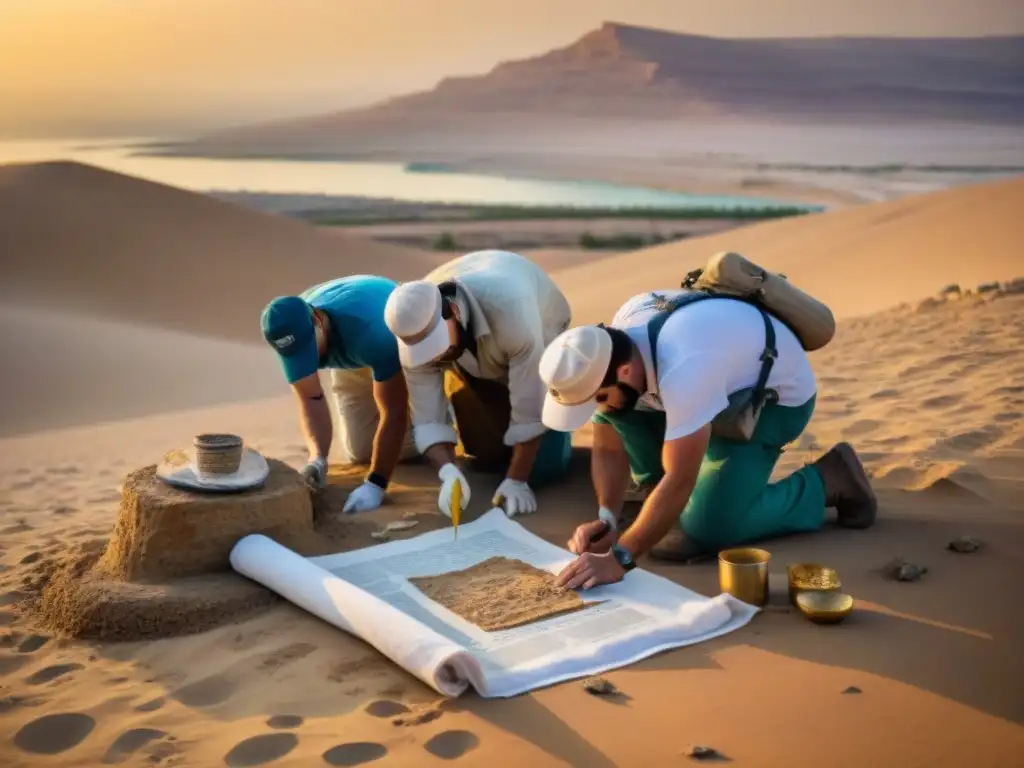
(358, 417)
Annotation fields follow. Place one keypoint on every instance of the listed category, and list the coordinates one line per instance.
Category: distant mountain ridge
(624, 72)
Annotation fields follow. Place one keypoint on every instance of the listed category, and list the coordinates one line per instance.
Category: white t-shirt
(708, 350)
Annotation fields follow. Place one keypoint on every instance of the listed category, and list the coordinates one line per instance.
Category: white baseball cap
(572, 368)
(413, 314)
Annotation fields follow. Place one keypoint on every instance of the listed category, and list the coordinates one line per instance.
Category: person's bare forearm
(659, 513)
(523, 456)
(316, 426)
(387, 443)
(609, 471)
(440, 454)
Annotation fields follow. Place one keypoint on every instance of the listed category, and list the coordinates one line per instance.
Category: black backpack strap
(666, 307)
(768, 357)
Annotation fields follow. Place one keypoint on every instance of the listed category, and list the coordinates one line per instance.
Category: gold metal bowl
(812, 578)
(824, 607)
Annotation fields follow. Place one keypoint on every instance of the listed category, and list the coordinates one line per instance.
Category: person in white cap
(651, 384)
(470, 337)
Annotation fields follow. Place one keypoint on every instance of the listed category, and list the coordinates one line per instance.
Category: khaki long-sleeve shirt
(516, 310)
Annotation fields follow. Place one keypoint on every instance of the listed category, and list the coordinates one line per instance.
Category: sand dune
(858, 260)
(932, 397)
(133, 250)
(64, 370)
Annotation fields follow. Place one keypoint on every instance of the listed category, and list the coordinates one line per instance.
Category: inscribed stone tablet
(500, 593)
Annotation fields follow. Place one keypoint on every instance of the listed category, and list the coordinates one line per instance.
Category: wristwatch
(622, 556)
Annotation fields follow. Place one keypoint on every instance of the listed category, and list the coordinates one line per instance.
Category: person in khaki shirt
(470, 338)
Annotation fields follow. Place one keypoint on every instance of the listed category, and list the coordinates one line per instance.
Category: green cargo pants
(733, 502)
(482, 411)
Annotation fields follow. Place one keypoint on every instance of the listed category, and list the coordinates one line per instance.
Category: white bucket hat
(572, 368)
(413, 314)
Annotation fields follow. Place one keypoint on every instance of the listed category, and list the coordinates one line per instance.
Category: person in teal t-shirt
(339, 325)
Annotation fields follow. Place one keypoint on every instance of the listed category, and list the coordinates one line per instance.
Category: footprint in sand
(10, 598)
(68, 470)
(862, 427)
(33, 643)
(284, 722)
(385, 708)
(34, 557)
(449, 745)
(130, 742)
(6, 618)
(53, 734)
(207, 692)
(10, 664)
(47, 674)
(261, 749)
(16, 528)
(941, 401)
(151, 706)
(356, 753)
(286, 655)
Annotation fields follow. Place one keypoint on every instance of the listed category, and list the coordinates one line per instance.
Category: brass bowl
(823, 607)
(812, 578)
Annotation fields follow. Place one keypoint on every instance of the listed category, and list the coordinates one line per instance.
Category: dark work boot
(677, 547)
(847, 487)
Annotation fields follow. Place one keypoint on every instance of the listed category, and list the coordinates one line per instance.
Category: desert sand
(924, 673)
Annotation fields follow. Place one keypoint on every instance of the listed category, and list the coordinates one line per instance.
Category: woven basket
(218, 454)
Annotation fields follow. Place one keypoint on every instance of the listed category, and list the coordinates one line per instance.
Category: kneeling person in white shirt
(652, 413)
(471, 334)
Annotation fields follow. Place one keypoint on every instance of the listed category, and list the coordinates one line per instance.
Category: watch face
(623, 557)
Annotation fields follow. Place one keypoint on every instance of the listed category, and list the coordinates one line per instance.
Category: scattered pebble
(964, 544)
(401, 525)
(384, 534)
(901, 570)
(852, 689)
(424, 714)
(698, 752)
(598, 686)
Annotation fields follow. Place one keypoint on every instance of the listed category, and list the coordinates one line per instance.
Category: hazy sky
(138, 66)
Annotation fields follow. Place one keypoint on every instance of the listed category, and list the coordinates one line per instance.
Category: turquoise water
(413, 183)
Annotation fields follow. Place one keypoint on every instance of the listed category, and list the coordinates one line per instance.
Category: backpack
(730, 274)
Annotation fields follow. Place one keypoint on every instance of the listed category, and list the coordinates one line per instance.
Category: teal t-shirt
(358, 336)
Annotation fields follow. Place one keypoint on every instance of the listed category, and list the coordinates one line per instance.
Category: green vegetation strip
(524, 213)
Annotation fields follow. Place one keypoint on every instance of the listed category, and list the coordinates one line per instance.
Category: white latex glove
(448, 474)
(364, 498)
(518, 497)
(315, 473)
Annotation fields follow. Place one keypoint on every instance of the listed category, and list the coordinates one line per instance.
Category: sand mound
(78, 600)
(165, 569)
(135, 250)
(858, 260)
(164, 532)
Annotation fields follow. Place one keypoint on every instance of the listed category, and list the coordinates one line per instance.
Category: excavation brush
(456, 507)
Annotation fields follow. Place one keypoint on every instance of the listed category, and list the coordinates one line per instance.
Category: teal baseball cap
(287, 323)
